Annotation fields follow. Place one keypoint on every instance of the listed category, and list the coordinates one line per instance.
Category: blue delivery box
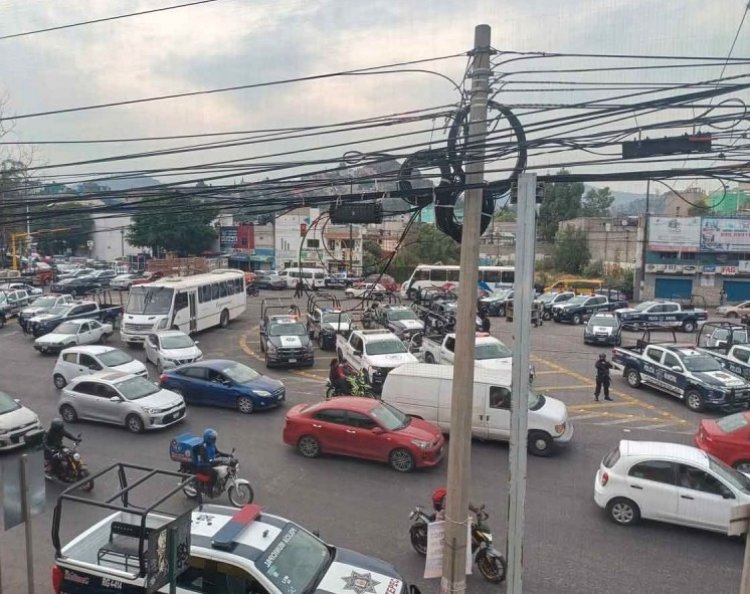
(184, 448)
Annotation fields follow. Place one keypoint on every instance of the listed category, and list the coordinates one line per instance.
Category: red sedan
(364, 428)
(728, 439)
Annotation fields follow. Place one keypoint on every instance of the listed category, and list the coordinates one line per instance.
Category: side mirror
(115, 399)
(357, 353)
(676, 368)
(727, 494)
(195, 342)
(377, 430)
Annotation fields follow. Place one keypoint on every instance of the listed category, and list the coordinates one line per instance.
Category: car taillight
(604, 479)
(162, 378)
(57, 579)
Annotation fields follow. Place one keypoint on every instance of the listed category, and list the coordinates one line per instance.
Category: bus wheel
(224, 319)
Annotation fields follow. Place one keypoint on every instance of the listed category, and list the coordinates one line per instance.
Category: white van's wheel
(540, 443)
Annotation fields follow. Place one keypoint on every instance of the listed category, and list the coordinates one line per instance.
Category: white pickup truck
(374, 352)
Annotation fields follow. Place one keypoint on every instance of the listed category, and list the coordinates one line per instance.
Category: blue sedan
(220, 382)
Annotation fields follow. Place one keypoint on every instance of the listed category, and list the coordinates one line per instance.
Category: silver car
(121, 399)
(171, 348)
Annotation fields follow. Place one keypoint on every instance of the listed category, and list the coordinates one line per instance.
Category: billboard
(673, 234)
(227, 238)
(725, 235)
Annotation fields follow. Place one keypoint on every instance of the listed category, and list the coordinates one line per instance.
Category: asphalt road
(571, 547)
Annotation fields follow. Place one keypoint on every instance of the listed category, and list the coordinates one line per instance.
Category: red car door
(363, 442)
(330, 429)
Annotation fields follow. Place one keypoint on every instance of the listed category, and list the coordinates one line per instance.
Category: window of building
(313, 243)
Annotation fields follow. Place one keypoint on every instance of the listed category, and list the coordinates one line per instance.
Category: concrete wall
(109, 239)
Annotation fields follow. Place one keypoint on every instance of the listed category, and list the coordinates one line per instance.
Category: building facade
(615, 241)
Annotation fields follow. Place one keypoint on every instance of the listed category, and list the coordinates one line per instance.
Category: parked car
(16, 421)
(148, 277)
(121, 399)
(123, 282)
(31, 290)
(270, 281)
(668, 482)
(364, 428)
(86, 360)
(13, 301)
(42, 305)
(367, 290)
(603, 328)
(103, 277)
(219, 382)
(171, 348)
(734, 311)
(727, 438)
(72, 332)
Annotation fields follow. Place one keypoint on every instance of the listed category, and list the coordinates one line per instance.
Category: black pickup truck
(48, 321)
(579, 308)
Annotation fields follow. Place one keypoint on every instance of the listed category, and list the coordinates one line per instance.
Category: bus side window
(490, 276)
(222, 289)
(180, 301)
(215, 291)
(421, 275)
(452, 275)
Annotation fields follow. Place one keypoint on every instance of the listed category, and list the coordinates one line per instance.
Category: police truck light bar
(224, 539)
(669, 145)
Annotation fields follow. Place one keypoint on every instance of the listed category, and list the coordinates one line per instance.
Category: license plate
(292, 360)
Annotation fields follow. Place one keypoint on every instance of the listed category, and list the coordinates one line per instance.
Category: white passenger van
(312, 277)
(424, 391)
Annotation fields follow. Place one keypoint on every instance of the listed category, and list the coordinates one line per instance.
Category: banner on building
(674, 234)
(227, 238)
(725, 235)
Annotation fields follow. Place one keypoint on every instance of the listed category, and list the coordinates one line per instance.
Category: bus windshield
(150, 300)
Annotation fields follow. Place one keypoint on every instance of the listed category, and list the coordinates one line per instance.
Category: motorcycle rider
(209, 456)
(53, 444)
(337, 377)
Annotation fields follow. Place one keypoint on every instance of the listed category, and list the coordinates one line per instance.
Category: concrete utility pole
(523, 298)
(642, 282)
(459, 459)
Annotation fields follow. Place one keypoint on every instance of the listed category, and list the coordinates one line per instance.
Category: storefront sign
(227, 238)
(725, 235)
(729, 270)
(674, 234)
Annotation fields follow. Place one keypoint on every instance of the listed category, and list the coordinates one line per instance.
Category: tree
(75, 227)
(372, 257)
(424, 244)
(572, 251)
(506, 215)
(177, 223)
(596, 202)
(562, 201)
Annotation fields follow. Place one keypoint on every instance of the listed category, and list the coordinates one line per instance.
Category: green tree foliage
(372, 257)
(75, 227)
(423, 244)
(178, 224)
(562, 201)
(596, 202)
(572, 252)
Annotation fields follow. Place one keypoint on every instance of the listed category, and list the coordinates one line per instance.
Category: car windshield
(67, 328)
(177, 341)
(389, 417)
(136, 388)
(385, 347)
(492, 350)
(295, 562)
(150, 300)
(7, 404)
(547, 297)
(240, 373)
(44, 302)
(114, 358)
(729, 475)
(536, 401)
(402, 314)
(577, 300)
(287, 330)
(701, 363)
(602, 321)
(644, 306)
(732, 423)
(334, 318)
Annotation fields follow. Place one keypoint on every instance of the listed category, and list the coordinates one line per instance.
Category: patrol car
(603, 328)
(695, 377)
(669, 314)
(399, 319)
(577, 309)
(231, 551)
(285, 342)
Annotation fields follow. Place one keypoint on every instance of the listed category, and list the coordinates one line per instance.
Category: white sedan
(171, 348)
(15, 422)
(668, 482)
(366, 290)
(71, 333)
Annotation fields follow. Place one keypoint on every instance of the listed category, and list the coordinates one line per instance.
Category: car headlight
(150, 411)
(422, 445)
(262, 393)
(270, 347)
(77, 457)
(560, 429)
(162, 324)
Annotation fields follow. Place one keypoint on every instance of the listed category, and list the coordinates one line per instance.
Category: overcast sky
(233, 42)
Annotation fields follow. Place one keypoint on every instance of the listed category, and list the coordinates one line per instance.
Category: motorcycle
(252, 290)
(358, 386)
(488, 559)
(68, 468)
(238, 490)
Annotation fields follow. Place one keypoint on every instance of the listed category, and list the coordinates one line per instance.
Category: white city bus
(187, 303)
(428, 275)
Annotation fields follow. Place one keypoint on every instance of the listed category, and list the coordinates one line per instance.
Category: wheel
(59, 381)
(224, 318)
(492, 567)
(540, 443)
(688, 326)
(742, 466)
(694, 400)
(88, 486)
(159, 366)
(245, 405)
(418, 537)
(240, 494)
(134, 424)
(577, 319)
(546, 316)
(103, 339)
(401, 460)
(633, 377)
(308, 446)
(190, 491)
(623, 511)
(732, 314)
(428, 358)
(411, 294)
(68, 413)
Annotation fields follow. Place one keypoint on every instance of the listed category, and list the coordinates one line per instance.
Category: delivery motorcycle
(67, 468)
(238, 490)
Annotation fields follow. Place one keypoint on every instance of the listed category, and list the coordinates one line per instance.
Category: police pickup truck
(399, 319)
(580, 307)
(686, 372)
(46, 322)
(668, 314)
(373, 353)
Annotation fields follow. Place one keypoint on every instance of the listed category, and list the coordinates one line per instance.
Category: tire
(224, 318)
(245, 405)
(732, 314)
(546, 316)
(190, 492)
(134, 423)
(401, 460)
(491, 567)
(88, 486)
(59, 381)
(240, 495)
(577, 319)
(540, 443)
(68, 413)
(633, 377)
(688, 326)
(694, 401)
(308, 446)
(418, 537)
(428, 358)
(623, 511)
(103, 339)
(742, 466)
(411, 294)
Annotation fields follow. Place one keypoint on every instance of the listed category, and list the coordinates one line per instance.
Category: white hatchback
(85, 360)
(668, 482)
(171, 348)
